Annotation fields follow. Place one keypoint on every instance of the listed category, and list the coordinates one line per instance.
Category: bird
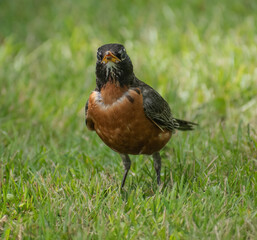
(127, 114)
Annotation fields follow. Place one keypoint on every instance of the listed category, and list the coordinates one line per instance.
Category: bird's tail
(185, 125)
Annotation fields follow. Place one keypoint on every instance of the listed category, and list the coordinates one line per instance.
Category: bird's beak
(109, 56)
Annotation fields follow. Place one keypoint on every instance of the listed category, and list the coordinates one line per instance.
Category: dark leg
(126, 163)
(157, 165)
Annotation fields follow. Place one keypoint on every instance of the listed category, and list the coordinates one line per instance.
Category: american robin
(126, 113)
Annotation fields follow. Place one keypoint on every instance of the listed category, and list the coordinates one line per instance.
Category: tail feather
(185, 125)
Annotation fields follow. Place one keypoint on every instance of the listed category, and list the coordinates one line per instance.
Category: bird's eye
(122, 54)
(99, 55)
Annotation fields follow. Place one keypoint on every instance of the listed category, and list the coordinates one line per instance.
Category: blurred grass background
(58, 179)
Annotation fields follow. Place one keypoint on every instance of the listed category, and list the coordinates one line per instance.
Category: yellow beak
(109, 56)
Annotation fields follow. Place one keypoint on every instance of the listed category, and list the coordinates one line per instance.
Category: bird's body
(127, 114)
(122, 124)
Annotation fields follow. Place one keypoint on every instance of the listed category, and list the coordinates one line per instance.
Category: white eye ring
(122, 53)
(99, 55)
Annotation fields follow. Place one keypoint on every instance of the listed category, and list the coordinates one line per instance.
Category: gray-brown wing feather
(86, 108)
(156, 108)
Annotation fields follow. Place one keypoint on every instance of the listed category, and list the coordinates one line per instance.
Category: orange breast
(123, 125)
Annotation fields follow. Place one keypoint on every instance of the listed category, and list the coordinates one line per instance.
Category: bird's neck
(118, 81)
(112, 91)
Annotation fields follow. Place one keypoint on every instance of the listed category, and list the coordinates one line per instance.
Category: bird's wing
(86, 108)
(156, 108)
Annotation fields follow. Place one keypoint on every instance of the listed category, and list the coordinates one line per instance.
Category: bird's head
(113, 64)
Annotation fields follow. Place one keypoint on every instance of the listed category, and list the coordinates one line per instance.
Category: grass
(59, 181)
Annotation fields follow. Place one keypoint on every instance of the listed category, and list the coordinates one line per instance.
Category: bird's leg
(127, 164)
(157, 165)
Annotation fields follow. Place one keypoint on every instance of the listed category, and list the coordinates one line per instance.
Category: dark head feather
(121, 71)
